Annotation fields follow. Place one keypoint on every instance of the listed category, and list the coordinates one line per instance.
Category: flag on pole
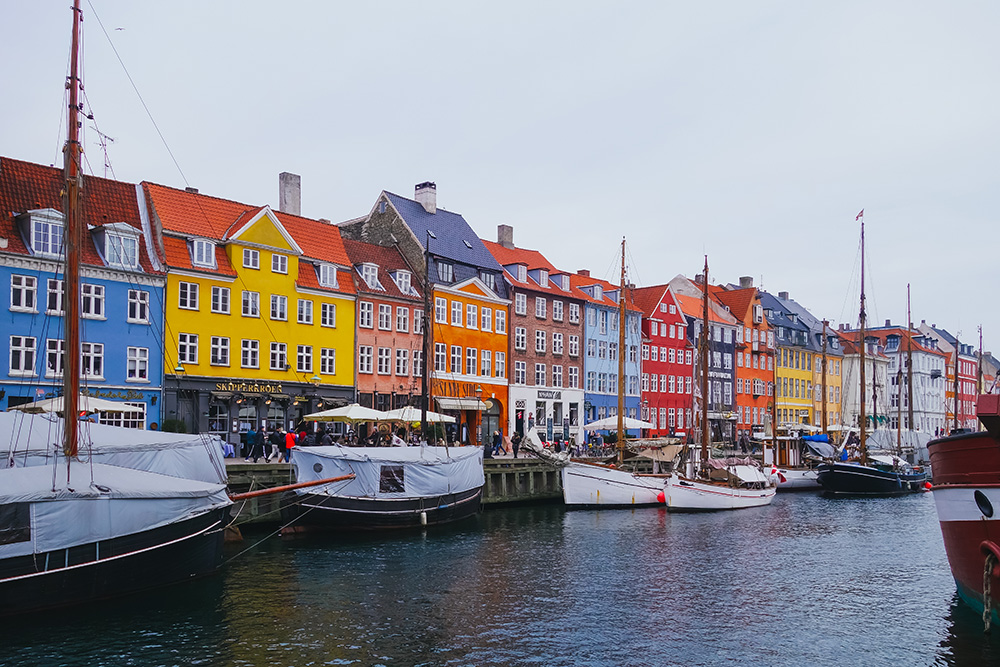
(859, 215)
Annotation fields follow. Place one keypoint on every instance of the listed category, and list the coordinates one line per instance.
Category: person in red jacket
(287, 449)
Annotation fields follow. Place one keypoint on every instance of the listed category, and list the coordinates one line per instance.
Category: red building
(667, 362)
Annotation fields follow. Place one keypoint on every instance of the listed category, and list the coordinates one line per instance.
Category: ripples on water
(807, 581)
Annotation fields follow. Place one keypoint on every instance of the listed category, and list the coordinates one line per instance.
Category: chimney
(426, 195)
(505, 236)
(193, 191)
(783, 296)
(699, 279)
(583, 272)
(290, 193)
(746, 281)
(888, 323)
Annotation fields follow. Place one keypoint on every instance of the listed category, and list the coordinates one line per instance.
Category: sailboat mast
(899, 410)
(621, 362)
(955, 388)
(864, 419)
(703, 359)
(428, 331)
(909, 361)
(824, 424)
(71, 246)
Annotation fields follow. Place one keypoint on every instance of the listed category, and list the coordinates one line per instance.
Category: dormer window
(522, 273)
(598, 293)
(446, 272)
(203, 253)
(489, 280)
(327, 275)
(402, 279)
(564, 282)
(45, 231)
(370, 273)
(122, 251)
(543, 278)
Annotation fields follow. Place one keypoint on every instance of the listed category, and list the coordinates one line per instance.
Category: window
(520, 338)
(46, 237)
(540, 375)
(445, 271)
(574, 346)
(279, 357)
(133, 417)
(418, 363)
(540, 307)
(486, 319)
(591, 381)
(327, 275)
(279, 307)
(501, 323)
(251, 258)
(471, 316)
(557, 311)
(520, 304)
(138, 306)
(187, 348)
(574, 377)
(522, 273)
(304, 358)
(137, 368)
(385, 317)
(55, 357)
(501, 365)
(219, 355)
(591, 347)
(557, 343)
(687, 356)
(92, 360)
(604, 321)
(364, 358)
(366, 310)
(485, 363)
(574, 313)
(305, 311)
(489, 279)
(520, 372)
(456, 313)
(602, 349)
(539, 341)
(456, 359)
(250, 354)
(440, 357)
(54, 305)
(23, 293)
(613, 351)
(369, 272)
(557, 376)
(187, 296)
(202, 253)
(402, 319)
(402, 362)
(328, 315)
(440, 310)
(279, 263)
(471, 367)
(327, 361)
(403, 282)
(220, 300)
(418, 321)
(645, 381)
(22, 355)
(92, 301)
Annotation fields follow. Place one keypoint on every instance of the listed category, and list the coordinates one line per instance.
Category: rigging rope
(991, 561)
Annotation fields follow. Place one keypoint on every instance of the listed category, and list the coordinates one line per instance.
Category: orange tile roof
(178, 256)
(388, 260)
(694, 307)
(195, 214)
(648, 299)
(533, 260)
(308, 279)
(738, 300)
(25, 186)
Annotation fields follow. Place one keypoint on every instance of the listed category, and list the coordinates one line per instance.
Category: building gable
(264, 228)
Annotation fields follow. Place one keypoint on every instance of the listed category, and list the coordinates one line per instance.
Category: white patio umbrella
(409, 413)
(88, 404)
(612, 423)
(351, 414)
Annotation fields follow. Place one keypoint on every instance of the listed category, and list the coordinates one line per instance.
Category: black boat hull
(322, 511)
(113, 568)
(844, 479)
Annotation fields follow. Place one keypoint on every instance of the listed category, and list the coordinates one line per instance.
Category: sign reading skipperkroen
(249, 387)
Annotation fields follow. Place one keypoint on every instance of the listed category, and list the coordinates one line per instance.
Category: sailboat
(869, 475)
(130, 511)
(608, 485)
(715, 485)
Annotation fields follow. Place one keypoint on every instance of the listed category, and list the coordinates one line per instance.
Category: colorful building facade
(667, 378)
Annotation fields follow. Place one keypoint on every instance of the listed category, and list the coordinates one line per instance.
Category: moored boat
(967, 496)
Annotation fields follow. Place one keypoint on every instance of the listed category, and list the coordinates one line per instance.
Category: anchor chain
(991, 561)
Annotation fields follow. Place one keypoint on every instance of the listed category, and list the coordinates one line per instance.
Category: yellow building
(834, 375)
(259, 313)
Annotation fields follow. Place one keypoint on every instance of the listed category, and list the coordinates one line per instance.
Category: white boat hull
(591, 485)
(797, 479)
(687, 495)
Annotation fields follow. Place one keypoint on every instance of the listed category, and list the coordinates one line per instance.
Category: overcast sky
(750, 131)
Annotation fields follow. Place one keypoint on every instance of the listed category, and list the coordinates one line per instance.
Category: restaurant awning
(461, 404)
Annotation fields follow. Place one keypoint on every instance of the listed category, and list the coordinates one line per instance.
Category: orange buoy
(928, 486)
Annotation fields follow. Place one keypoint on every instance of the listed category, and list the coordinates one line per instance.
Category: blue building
(121, 327)
(601, 341)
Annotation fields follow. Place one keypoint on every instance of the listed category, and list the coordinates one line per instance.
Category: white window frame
(54, 297)
(402, 319)
(55, 357)
(557, 310)
(500, 364)
(202, 253)
(279, 307)
(26, 289)
(541, 307)
(279, 356)
(249, 353)
(384, 361)
(501, 322)
(251, 258)
(92, 360)
(486, 318)
(23, 348)
(219, 351)
(366, 314)
(471, 316)
(365, 357)
(328, 314)
(520, 304)
(92, 301)
(137, 364)
(185, 343)
(220, 300)
(384, 317)
(138, 300)
(327, 275)
(251, 303)
(327, 361)
(520, 338)
(187, 295)
(279, 263)
(402, 361)
(304, 311)
(304, 358)
(456, 313)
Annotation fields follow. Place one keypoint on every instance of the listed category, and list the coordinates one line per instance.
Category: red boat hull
(966, 470)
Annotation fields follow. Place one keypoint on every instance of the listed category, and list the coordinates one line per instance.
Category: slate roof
(25, 186)
(388, 260)
(451, 230)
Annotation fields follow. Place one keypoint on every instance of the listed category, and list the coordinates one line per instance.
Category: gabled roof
(648, 299)
(533, 260)
(388, 260)
(455, 239)
(737, 300)
(25, 186)
(690, 297)
(192, 214)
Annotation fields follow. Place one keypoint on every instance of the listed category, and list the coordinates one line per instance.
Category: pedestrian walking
(286, 450)
(275, 440)
(515, 442)
(257, 450)
(249, 439)
(497, 443)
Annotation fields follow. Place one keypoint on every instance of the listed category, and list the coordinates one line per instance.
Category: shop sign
(123, 394)
(455, 389)
(249, 387)
(549, 393)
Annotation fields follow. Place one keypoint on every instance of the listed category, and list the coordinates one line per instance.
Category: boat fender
(928, 486)
(661, 498)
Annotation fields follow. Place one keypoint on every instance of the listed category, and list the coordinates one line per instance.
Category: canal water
(806, 581)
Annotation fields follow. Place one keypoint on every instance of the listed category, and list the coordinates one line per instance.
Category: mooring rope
(991, 561)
